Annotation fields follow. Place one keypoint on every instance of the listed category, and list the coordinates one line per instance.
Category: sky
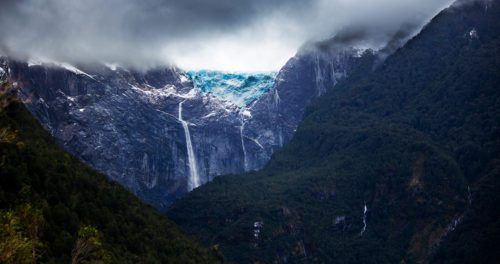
(226, 35)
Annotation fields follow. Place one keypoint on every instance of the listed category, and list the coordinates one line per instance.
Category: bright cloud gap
(233, 36)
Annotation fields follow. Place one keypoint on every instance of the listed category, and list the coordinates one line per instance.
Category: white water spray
(194, 179)
(365, 210)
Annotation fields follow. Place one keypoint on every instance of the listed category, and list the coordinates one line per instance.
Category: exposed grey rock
(125, 123)
(276, 115)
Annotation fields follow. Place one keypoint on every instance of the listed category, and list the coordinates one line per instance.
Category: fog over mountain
(240, 35)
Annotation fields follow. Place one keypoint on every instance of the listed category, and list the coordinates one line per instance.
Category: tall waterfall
(194, 179)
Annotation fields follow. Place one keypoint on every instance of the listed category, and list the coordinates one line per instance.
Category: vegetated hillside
(54, 209)
(398, 165)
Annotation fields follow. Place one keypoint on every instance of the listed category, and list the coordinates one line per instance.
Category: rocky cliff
(159, 135)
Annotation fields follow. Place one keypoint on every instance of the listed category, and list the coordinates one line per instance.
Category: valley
(377, 144)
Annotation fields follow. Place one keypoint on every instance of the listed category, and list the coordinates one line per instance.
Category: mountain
(397, 164)
(55, 209)
(163, 132)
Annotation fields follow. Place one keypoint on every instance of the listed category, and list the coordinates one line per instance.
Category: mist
(238, 35)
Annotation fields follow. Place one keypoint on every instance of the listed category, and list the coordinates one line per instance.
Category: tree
(19, 234)
(88, 246)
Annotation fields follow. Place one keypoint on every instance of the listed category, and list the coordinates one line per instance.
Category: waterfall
(276, 98)
(245, 161)
(194, 179)
(320, 81)
(365, 210)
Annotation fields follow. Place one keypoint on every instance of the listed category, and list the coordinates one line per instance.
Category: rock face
(158, 135)
(276, 115)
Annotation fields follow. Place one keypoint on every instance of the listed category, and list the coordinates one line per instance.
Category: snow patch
(40, 61)
(112, 66)
(184, 79)
(358, 52)
(34, 62)
(73, 69)
(169, 90)
(246, 113)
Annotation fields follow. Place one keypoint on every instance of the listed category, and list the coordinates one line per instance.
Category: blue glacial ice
(239, 88)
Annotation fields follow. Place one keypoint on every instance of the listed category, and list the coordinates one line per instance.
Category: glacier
(239, 88)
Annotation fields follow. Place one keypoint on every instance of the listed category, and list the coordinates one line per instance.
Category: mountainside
(398, 164)
(55, 209)
(160, 135)
(306, 76)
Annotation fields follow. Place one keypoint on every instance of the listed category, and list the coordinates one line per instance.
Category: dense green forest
(54, 209)
(415, 139)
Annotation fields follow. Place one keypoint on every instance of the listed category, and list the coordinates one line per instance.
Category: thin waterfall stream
(194, 179)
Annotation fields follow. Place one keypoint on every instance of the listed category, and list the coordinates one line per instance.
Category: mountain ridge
(390, 166)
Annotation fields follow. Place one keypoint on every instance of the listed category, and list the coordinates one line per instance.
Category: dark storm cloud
(197, 33)
(113, 28)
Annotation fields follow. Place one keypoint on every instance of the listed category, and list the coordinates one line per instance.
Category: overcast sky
(230, 35)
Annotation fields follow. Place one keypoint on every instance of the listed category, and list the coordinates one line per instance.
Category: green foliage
(407, 139)
(88, 247)
(38, 180)
(19, 234)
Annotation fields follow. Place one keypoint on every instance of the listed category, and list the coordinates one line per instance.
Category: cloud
(236, 35)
